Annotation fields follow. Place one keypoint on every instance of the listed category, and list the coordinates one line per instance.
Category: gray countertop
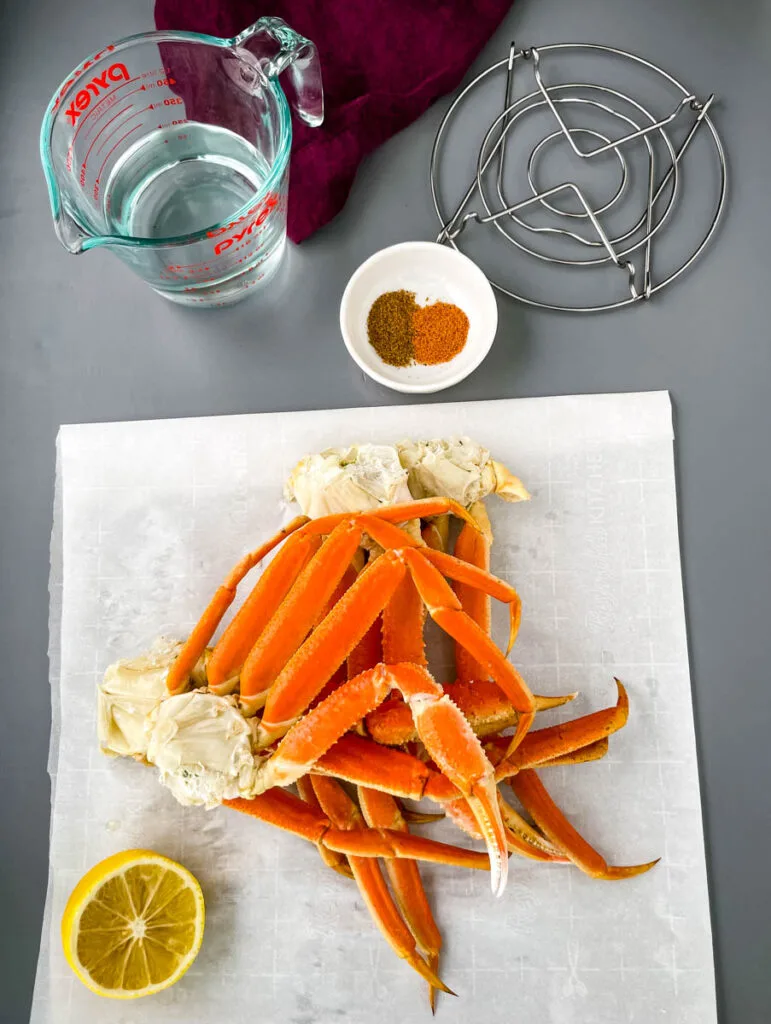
(84, 340)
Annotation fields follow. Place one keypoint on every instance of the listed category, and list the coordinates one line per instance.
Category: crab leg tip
(499, 873)
(433, 963)
(616, 873)
(425, 969)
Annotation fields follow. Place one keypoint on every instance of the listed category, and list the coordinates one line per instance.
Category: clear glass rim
(46, 132)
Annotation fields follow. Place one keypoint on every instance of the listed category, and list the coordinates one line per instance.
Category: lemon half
(133, 924)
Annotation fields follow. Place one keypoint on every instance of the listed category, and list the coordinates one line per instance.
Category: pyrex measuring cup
(172, 149)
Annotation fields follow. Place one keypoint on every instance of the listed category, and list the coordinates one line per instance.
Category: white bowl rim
(407, 387)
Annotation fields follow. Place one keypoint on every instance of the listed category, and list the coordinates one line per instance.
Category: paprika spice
(439, 332)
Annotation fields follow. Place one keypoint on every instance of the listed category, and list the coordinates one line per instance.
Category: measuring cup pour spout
(70, 234)
(172, 150)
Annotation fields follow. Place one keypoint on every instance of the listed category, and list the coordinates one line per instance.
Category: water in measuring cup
(174, 185)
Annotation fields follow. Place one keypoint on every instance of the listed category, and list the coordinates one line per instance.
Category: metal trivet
(632, 154)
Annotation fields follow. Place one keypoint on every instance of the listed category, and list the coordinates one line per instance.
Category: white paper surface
(152, 516)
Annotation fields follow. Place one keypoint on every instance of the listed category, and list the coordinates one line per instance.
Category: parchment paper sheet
(149, 517)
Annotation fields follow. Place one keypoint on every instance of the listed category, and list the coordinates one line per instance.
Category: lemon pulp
(133, 924)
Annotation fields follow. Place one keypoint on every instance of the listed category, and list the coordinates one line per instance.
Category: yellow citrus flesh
(133, 924)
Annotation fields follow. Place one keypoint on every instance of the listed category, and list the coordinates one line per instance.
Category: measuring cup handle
(279, 48)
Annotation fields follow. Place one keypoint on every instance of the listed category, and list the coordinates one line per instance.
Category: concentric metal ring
(657, 188)
(550, 206)
(482, 163)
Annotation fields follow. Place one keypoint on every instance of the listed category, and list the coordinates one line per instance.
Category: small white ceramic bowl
(435, 273)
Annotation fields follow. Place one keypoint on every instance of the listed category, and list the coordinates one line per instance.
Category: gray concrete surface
(83, 340)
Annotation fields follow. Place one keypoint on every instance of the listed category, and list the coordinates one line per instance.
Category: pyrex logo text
(82, 101)
(255, 221)
(79, 71)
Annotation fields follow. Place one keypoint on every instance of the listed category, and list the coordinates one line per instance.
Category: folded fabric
(383, 63)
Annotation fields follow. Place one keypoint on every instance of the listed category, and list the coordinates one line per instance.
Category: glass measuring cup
(172, 149)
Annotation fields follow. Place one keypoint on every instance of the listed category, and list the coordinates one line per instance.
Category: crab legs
(327, 656)
(296, 650)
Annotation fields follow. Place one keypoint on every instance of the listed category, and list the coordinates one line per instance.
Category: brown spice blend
(390, 327)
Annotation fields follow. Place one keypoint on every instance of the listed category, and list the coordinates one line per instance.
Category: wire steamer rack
(599, 166)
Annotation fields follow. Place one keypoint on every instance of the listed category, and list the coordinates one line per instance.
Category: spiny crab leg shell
(312, 736)
(592, 752)
(298, 613)
(344, 814)
(473, 547)
(404, 614)
(539, 805)
(232, 649)
(403, 622)
(363, 762)
(313, 661)
(451, 743)
(368, 652)
(403, 512)
(380, 810)
(331, 642)
(522, 838)
(385, 842)
(195, 645)
(481, 581)
(443, 730)
(482, 702)
(336, 861)
(542, 745)
(444, 608)
(525, 835)
(288, 812)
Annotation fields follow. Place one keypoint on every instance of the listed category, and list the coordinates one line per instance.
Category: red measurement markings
(105, 102)
(194, 271)
(123, 124)
(104, 162)
(113, 100)
(255, 215)
(93, 141)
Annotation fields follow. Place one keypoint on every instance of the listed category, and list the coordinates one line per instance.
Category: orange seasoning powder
(439, 332)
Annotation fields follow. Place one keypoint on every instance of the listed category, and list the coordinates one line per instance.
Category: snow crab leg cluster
(326, 659)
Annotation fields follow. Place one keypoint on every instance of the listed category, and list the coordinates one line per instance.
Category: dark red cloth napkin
(383, 63)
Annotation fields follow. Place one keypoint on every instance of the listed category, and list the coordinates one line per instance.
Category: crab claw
(483, 801)
(457, 752)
